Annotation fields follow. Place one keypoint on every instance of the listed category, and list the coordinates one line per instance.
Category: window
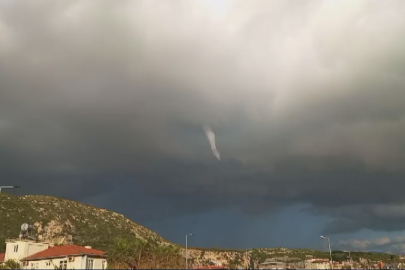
(63, 264)
(90, 263)
(16, 248)
(104, 264)
(47, 263)
(34, 265)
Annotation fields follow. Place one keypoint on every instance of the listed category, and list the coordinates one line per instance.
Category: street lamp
(187, 235)
(8, 187)
(330, 251)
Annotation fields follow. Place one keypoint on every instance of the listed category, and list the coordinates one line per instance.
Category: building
(2, 255)
(273, 265)
(67, 257)
(37, 255)
(18, 249)
(317, 264)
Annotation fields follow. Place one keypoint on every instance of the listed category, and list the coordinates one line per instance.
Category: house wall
(39, 265)
(100, 263)
(78, 263)
(25, 248)
(311, 265)
(32, 248)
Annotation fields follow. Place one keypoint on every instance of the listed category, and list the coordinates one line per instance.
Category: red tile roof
(2, 255)
(62, 251)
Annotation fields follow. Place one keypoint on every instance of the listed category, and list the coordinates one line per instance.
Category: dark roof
(61, 251)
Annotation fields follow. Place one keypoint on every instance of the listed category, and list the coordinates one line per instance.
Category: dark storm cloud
(306, 100)
(392, 244)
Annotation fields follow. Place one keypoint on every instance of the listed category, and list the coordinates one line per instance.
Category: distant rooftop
(62, 251)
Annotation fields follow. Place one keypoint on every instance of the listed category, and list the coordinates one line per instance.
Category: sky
(105, 102)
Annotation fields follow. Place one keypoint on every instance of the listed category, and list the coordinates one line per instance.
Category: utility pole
(189, 234)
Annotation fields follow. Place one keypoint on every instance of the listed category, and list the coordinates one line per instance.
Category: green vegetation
(296, 255)
(369, 256)
(259, 256)
(217, 249)
(57, 218)
(136, 253)
(10, 264)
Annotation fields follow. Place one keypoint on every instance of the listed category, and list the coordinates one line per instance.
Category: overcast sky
(104, 102)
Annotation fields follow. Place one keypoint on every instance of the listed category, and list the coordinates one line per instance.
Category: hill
(293, 257)
(57, 220)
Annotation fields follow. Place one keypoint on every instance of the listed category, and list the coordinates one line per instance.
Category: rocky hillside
(243, 258)
(293, 257)
(57, 220)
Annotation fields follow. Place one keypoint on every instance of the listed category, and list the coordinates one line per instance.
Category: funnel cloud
(211, 138)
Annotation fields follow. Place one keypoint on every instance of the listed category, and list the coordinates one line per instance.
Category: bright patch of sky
(218, 8)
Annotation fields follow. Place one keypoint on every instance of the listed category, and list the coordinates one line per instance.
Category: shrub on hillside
(136, 253)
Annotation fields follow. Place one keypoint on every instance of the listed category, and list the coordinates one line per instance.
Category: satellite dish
(26, 231)
(24, 227)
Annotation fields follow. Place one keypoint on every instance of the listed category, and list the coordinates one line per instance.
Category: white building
(272, 265)
(36, 255)
(317, 264)
(18, 249)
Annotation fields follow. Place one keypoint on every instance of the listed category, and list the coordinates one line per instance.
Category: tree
(125, 253)
(136, 253)
(11, 264)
